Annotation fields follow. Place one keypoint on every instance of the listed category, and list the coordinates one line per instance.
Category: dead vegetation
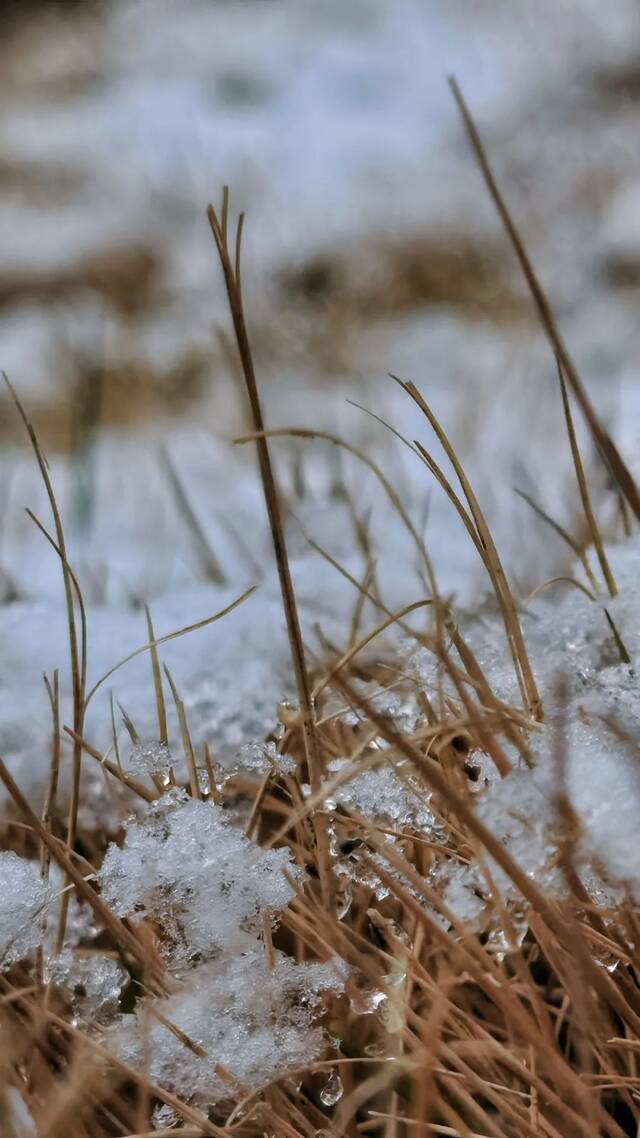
(526, 1025)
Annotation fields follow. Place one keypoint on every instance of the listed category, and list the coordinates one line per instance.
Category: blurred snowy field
(370, 247)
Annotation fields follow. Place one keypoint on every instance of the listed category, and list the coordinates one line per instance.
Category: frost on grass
(92, 983)
(568, 636)
(29, 908)
(210, 888)
(24, 899)
(186, 866)
(251, 1020)
(149, 757)
(386, 793)
(256, 760)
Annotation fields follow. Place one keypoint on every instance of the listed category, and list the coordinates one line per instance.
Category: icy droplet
(331, 1093)
(343, 900)
(392, 1011)
(165, 1116)
(606, 960)
(365, 1001)
(502, 941)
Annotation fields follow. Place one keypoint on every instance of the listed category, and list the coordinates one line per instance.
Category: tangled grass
(377, 1007)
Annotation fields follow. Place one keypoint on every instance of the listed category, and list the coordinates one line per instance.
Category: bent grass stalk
(491, 560)
(605, 444)
(77, 651)
(585, 497)
(543, 1042)
(231, 269)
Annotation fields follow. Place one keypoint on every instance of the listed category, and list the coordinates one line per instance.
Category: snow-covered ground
(336, 130)
(334, 126)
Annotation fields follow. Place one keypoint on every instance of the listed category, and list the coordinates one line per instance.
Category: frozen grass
(409, 905)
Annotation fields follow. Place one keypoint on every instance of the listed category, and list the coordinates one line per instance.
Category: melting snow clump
(93, 983)
(184, 864)
(210, 887)
(251, 1020)
(386, 792)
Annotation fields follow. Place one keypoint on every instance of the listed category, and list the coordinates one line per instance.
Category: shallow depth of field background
(370, 247)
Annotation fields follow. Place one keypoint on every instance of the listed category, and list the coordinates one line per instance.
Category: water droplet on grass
(331, 1093)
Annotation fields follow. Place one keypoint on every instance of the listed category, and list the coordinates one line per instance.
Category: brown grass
(523, 1024)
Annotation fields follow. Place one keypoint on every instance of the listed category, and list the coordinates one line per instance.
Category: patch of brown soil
(435, 269)
(127, 278)
(331, 297)
(126, 396)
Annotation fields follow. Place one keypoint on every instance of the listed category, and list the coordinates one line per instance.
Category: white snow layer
(250, 1020)
(185, 865)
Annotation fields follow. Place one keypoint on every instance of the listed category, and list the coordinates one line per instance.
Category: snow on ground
(570, 640)
(335, 128)
(211, 924)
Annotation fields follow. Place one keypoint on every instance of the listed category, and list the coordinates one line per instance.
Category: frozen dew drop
(165, 1116)
(607, 960)
(366, 1001)
(343, 900)
(331, 1093)
(503, 941)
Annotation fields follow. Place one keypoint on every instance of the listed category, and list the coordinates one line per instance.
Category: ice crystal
(149, 757)
(24, 899)
(184, 864)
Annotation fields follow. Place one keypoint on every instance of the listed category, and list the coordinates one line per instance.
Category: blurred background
(370, 247)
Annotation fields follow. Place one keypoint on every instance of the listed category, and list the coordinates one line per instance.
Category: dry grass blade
(126, 941)
(485, 739)
(48, 809)
(231, 273)
(463, 514)
(563, 534)
(77, 651)
(78, 592)
(561, 580)
(161, 710)
(620, 645)
(585, 497)
(605, 444)
(170, 636)
(190, 758)
(491, 559)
